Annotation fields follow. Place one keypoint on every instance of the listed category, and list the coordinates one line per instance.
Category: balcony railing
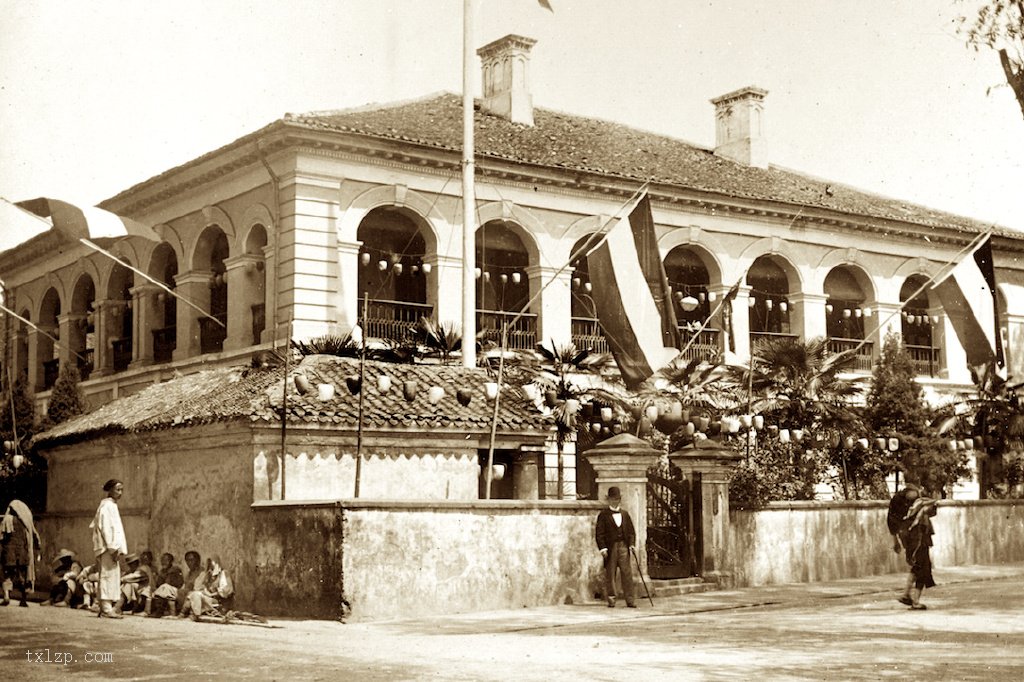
(925, 359)
(522, 335)
(586, 333)
(259, 322)
(122, 354)
(392, 320)
(51, 368)
(164, 342)
(758, 338)
(705, 347)
(211, 334)
(865, 353)
(85, 362)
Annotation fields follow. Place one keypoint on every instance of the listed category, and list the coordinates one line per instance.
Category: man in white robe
(109, 545)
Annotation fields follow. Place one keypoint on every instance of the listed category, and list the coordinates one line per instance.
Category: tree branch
(1014, 77)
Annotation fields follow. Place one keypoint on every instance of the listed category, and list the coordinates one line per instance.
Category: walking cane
(632, 551)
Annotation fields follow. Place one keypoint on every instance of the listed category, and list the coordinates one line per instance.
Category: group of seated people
(145, 590)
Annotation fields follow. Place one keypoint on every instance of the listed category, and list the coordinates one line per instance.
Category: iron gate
(674, 545)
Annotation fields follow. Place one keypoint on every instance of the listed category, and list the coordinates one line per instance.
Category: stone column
(888, 318)
(525, 472)
(72, 339)
(20, 350)
(349, 303)
(555, 310)
(245, 289)
(807, 315)
(740, 319)
(444, 289)
(269, 294)
(714, 464)
(194, 286)
(35, 360)
(623, 461)
(106, 327)
(144, 303)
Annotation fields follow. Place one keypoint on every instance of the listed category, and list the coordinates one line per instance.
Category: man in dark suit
(615, 538)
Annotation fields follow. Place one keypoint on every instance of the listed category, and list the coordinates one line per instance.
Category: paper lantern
(595, 427)
(758, 421)
(364, 258)
(427, 267)
(894, 444)
(517, 277)
(477, 272)
(868, 312)
(751, 302)
(487, 276)
(733, 425)
(550, 398)
(768, 303)
(464, 396)
(383, 383)
(691, 428)
(829, 308)
(531, 392)
(382, 265)
(701, 296)
(880, 442)
(576, 282)
(398, 268)
(572, 406)
(606, 414)
(863, 443)
(847, 313)
(17, 460)
(689, 303)
(746, 420)
(435, 394)
(652, 412)
(798, 435)
(849, 442)
(783, 435)
(587, 287)
(783, 306)
(414, 269)
(935, 319)
(491, 390)
(354, 384)
(302, 384)
(497, 472)
(504, 278)
(712, 296)
(410, 389)
(703, 423)
(325, 391)
(857, 312)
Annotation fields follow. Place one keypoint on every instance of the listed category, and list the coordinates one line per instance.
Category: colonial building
(287, 230)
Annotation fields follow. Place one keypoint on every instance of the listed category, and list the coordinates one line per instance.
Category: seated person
(65, 590)
(88, 586)
(195, 578)
(146, 567)
(217, 595)
(168, 582)
(133, 584)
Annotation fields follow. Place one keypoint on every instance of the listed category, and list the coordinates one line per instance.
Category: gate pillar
(623, 461)
(714, 464)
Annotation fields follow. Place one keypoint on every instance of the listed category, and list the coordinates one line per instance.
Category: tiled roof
(575, 142)
(230, 393)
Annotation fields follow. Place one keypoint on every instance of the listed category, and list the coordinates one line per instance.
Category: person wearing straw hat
(109, 544)
(918, 539)
(615, 537)
(66, 590)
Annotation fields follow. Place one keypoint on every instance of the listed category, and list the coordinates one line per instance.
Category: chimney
(506, 67)
(739, 127)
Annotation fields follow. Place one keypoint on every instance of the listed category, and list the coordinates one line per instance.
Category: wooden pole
(468, 193)
(362, 392)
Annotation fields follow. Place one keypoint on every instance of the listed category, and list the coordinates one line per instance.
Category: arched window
(502, 286)
(119, 329)
(46, 350)
(689, 280)
(845, 314)
(586, 331)
(769, 299)
(211, 252)
(916, 326)
(392, 274)
(83, 325)
(256, 282)
(164, 268)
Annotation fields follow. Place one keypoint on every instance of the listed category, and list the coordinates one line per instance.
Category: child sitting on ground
(168, 581)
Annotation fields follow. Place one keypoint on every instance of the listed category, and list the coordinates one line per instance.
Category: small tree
(896, 408)
(66, 398)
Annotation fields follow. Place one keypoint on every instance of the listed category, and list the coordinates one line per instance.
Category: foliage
(999, 25)
(439, 339)
(66, 398)
(896, 408)
(339, 345)
(994, 418)
(27, 482)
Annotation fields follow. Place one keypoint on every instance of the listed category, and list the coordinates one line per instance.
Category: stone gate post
(714, 464)
(623, 461)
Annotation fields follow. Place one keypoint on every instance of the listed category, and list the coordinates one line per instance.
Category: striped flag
(632, 296)
(87, 222)
(968, 295)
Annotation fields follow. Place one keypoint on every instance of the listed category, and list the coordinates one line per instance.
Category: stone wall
(820, 541)
(403, 559)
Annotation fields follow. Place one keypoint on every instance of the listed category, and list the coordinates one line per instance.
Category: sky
(878, 94)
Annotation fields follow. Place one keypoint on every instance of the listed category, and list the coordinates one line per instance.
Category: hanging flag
(632, 296)
(968, 295)
(17, 225)
(87, 222)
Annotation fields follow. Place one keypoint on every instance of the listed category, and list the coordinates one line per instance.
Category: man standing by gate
(616, 538)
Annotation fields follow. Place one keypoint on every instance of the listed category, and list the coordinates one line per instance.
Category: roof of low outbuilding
(255, 395)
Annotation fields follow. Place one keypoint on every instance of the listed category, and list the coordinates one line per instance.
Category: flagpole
(708, 319)
(362, 394)
(468, 193)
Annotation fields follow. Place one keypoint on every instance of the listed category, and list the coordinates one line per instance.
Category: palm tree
(994, 417)
(798, 385)
(557, 374)
(440, 339)
(339, 345)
